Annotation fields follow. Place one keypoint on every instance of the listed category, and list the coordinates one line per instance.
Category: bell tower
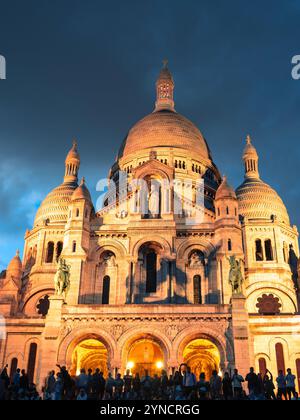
(165, 90)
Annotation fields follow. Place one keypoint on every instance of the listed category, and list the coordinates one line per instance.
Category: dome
(225, 191)
(165, 129)
(15, 266)
(55, 207)
(257, 200)
(82, 192)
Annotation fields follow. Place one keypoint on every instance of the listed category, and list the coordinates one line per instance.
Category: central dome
(165, 129)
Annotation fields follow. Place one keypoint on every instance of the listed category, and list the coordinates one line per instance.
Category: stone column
(50, 339)
(240, 332)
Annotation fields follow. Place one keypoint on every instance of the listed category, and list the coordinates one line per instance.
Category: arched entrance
(89, 354)
(202, 355)
(145, 354)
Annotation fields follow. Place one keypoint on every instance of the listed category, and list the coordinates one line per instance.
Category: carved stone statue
(196, 259)
(235, 275)
(154, 200)
(109, 259)
(62, 278)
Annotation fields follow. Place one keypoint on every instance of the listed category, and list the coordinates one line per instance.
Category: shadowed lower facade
(149, 284)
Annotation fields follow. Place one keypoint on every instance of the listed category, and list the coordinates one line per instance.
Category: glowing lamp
(159, 365)
(130, 365)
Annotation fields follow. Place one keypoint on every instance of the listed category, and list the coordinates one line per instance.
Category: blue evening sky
(87, 69)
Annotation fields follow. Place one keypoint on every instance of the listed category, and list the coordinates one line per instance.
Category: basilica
(176, 267)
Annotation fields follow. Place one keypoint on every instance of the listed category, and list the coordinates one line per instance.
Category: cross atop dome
(165, 89)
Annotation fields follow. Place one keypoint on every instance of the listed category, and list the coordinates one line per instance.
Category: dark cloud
(87, 69)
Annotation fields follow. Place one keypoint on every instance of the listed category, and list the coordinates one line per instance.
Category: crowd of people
(181, 386)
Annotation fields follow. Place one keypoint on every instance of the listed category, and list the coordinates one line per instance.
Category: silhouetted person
(281, 385)
(269, 386)
(50, 385)
(24, 381)
(215, 386)
(136, 385)
(290, 385)
(146, 383)
(203, 387)
(252, 380)
(4, 376)
(127, 381)
(237, 381)
(109, 385)
(66, 382)
(227, 387)
(189, 382)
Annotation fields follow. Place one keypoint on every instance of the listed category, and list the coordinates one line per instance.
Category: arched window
(13, 367)
(151, 272)
(197, 290)
(298, 372)
(285, 252)
(34, 252)
(77, 212)
(227, 210)
(262, 366)
(229, 245)
(50, 252)
(280, 357)
(269, 250)
(259, 256)
(31, 361)
(106, 290)
(59, 248)
(74, 246)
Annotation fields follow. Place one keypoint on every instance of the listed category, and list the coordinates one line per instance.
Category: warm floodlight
(159, 365)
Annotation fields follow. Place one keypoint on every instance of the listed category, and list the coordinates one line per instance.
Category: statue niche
(196, 259)
(152, 199)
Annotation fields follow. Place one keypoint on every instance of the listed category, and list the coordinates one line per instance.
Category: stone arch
(283, 292)
(273, 341)
(220, 340)
(29, 304)
(153, 168)
(19, 356)
(27, 351)
(159, 240)
(187, 246)
(69, 343)
(110, 245)
(131, 336)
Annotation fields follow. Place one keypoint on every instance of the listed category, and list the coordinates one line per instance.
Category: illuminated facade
(149, 289)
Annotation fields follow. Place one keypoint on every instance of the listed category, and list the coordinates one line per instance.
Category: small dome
(165, 129)
(82, 192)
(225, 191)
(15, 266)
(73, 153)
(249, 150)
(165, 73)
(55, 207)
(257, 200)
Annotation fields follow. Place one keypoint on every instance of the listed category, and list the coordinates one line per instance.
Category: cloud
(19, 200)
